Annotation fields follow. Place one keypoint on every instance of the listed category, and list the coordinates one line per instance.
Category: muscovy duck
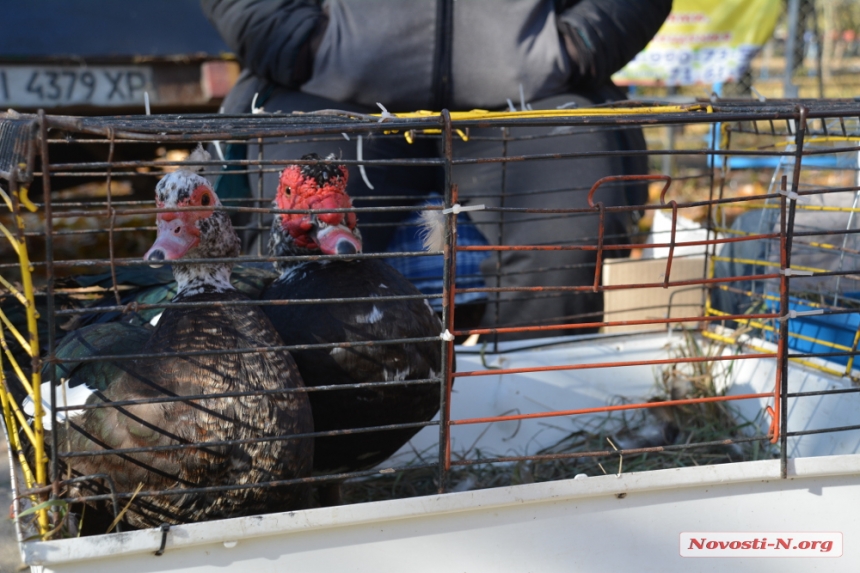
(153, 286)
(323, 186)
(265, 413)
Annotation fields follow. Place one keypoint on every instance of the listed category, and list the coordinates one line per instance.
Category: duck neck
(282, 245)
(205, 278)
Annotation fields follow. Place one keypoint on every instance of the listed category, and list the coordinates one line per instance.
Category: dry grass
(670, 428)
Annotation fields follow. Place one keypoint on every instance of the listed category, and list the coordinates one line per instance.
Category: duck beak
(338, 240)
(175, 238)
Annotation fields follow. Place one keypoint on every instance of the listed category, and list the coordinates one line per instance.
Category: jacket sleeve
(269, 37)
(601, 36)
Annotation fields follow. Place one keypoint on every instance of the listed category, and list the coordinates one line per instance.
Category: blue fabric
(426, 272)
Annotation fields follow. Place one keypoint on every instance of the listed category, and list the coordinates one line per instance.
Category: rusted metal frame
(253, 165)
(578, 325)
(583, 315)
(112, 213)
(136, 262)
(226, 209)
(259, 440)
(449, 275)
(279, 126)
(826, 233)
(609, 453)
(604, 288)
(601, 214)
(130, 229)
(633, 153)
(567, 211)
(252, 350)
(644, 120)
(625, 246)
(430, 162)
(605, 409)
(584, 247)
(183, 129)
(78, 232)
(598, 265)
(823, 431)
(49, 293)
(239, 394)
(671, 304)
(787, 230)
(259, 195)
(190, 132)
(712, 252)
(830, 392)
(268, 484)
(560, 190)
(666, 274)
(594, 365)
(71, 140)
(579, 211)
(849, 272)
(500, 235)
(227, 303)
(546, 136)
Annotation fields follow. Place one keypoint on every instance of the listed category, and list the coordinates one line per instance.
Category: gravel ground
(10, 560)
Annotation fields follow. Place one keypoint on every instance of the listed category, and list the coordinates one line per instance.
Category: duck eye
(205, 200)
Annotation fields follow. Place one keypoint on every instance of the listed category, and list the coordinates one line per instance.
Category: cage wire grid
(784, 133)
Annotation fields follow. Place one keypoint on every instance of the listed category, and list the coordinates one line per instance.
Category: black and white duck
(323, 186)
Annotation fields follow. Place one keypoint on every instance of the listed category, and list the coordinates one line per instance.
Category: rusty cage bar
(805, 152)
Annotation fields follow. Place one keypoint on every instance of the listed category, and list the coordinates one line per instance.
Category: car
(103, 57)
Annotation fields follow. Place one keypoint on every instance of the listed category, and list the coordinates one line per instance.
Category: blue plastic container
(835, 329)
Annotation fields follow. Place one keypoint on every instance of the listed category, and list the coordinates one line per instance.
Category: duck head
(319, 186)
(200, 233)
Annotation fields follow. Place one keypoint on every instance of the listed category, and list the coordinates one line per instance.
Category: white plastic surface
(603, 523)
(606, 523)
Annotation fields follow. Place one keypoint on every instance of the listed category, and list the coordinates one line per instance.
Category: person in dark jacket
(304, 55)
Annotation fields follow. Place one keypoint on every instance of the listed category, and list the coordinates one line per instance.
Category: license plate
(61, 86)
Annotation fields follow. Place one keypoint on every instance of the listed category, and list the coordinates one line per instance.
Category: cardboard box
(651, 303)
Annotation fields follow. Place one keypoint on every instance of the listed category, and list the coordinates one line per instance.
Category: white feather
(432, 230)
(372, 318)
(66, 396)
(196, 156)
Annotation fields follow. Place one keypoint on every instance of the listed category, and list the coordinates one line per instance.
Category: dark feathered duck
(322, 186)
(264, 413)
(141, 286)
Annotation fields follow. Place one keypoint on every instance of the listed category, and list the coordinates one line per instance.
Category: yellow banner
(704, 42)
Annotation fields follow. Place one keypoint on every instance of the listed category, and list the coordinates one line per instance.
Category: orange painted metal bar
(619, 247)
(575, 325)
(535, 369)
(604, 409)
(623, 287)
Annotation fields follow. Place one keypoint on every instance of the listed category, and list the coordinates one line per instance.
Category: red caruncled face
(298, 190)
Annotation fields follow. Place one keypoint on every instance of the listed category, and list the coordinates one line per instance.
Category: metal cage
(800, 155)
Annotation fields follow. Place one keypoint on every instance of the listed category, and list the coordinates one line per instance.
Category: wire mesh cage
(722, 288)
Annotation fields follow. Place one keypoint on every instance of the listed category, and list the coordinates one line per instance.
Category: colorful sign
(704, 42)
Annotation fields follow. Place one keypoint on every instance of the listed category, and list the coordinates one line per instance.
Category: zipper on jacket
(442, 60)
